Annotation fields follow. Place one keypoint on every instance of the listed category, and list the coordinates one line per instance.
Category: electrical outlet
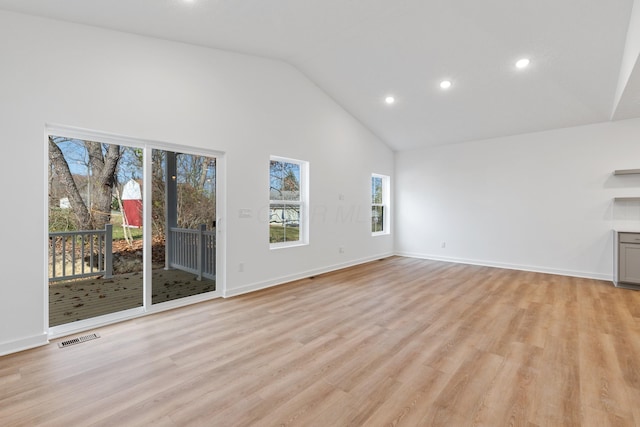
(241, 267)
(444, 245)
(341, 250)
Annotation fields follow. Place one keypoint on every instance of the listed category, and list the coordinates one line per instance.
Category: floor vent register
(78, 340)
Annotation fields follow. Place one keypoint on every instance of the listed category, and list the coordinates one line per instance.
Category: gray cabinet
(629, 258)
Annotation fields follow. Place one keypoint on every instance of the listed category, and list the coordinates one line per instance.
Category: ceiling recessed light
(389, 100)
(523, 63)
(445, 84)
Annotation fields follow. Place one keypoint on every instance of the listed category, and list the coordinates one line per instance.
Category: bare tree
(196, 194)
(204, 171)
(158, 159)
(102, 164)
(62, 171)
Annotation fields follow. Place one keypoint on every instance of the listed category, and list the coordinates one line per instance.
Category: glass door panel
(184, 225)
(95, 229)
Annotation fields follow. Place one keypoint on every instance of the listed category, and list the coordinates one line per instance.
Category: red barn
(132, 203)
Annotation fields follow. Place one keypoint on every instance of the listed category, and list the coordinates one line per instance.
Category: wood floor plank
(400, 341)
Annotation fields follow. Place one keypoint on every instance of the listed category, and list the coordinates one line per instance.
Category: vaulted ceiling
(584, 56)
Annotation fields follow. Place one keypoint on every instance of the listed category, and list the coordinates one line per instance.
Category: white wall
(249, 108)
(540, 201)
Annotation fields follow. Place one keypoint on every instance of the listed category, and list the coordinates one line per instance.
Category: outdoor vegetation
(281, 233)
(86, 180)
(118, 229)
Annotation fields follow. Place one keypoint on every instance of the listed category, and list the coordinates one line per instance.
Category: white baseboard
(23, 344)
(627, 286)
(302, 275)
(484, 263)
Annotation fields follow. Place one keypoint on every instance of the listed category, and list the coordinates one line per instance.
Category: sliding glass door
(118, 243)
(184, 231)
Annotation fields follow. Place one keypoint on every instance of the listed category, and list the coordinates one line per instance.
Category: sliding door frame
(147, 308)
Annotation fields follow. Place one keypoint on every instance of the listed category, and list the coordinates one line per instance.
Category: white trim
(284, 245)
(147, 232)
(221, 223)
(45, 228)
(184, 302)
(23, 344)
(94, 322)
(614, 275)
(302, 275)
(114, 138)
(484, 263)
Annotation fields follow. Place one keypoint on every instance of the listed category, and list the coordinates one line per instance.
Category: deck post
(170, 206)
(201, 249)
(108, 251)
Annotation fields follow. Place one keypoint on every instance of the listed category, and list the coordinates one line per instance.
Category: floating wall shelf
(627, 172)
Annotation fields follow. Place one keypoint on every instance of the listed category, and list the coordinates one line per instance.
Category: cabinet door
(629, 263)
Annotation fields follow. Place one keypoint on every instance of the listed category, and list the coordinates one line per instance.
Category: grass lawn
(278, 233)
(118, 232)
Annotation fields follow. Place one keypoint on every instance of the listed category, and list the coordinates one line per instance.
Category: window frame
(385, 205)
(302, 204)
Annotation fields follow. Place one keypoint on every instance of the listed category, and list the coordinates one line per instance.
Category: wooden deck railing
(74, 254)
(193, 251)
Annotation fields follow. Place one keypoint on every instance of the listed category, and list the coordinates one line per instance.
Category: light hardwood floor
(394, 342)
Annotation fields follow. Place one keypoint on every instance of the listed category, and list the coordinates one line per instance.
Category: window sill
(275, 246)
